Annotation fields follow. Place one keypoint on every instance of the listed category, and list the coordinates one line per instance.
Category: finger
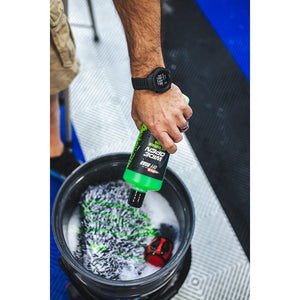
(185, 128)
(187, 112)
(181, 121)
(175, 134)
(167, 142)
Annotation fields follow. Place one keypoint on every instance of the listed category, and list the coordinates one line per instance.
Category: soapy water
(108, 237)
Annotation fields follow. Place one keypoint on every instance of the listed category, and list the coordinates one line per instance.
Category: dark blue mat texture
(58, 280)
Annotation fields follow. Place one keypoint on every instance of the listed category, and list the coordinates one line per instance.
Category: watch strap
(140, 83)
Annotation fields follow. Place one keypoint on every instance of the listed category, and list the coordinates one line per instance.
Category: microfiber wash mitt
(112, 235)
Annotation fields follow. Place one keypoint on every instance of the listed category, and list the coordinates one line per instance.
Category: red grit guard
(159, 251)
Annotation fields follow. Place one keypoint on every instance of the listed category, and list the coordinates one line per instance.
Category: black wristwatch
(159, 81)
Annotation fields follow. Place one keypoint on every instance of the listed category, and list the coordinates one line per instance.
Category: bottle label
(148, 157)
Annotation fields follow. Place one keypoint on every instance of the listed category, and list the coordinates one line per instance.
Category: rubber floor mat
(219, 131)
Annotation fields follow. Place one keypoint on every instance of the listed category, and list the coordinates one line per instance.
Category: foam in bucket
(108, 237)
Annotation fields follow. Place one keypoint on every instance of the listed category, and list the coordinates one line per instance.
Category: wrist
(159, 80)
(142, 68)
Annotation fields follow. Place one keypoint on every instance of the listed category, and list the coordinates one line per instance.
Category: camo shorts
(64, 66)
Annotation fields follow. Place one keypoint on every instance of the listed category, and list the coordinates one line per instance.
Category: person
(64, 66)
(157, 102)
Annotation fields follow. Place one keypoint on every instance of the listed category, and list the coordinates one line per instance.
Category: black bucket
(110, 168)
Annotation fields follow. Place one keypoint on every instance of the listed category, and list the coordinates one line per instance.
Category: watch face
(162, 79)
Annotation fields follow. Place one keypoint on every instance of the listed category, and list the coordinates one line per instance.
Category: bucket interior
(111, 169)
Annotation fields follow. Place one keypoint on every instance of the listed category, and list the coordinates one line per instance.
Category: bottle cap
(136, 198)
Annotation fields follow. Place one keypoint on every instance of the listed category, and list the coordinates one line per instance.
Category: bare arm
(161, 113)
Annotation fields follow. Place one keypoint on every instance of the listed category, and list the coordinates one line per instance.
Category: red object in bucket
(159, 251)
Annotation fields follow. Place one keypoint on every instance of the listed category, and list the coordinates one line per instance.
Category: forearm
(164, 113)
(141, 20)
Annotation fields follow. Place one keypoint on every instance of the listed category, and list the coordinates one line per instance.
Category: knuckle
(183, 123)
(153, 127)
(170, 147)
(150, 125)
(168, 121)
(188, 115)
(178, 138)
(167, 145)
(183, 105)
(177, 113)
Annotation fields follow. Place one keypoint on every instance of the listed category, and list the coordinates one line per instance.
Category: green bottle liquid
(147, 166)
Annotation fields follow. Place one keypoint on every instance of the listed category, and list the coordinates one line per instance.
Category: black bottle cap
(136, 198)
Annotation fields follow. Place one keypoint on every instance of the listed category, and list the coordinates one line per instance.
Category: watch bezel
(155, 73)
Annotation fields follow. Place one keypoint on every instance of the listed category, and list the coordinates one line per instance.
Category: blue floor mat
(231, 21)
(58, 280)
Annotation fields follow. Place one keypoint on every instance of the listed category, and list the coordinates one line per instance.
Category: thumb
(137, 121)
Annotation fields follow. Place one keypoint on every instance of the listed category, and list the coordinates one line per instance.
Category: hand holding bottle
(147, 165)
(163, 114)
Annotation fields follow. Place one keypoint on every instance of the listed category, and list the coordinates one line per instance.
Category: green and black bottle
(146, 167)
